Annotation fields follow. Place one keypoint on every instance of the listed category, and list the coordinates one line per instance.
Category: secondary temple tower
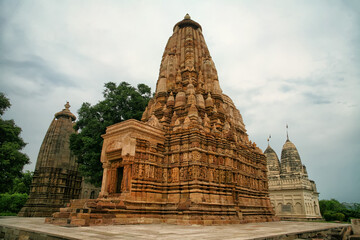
(56, 179)
(189, 161)
(292, 193)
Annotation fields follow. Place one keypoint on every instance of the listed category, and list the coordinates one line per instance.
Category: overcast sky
(282, 62)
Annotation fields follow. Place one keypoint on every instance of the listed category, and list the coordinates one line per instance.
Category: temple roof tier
(188, 85)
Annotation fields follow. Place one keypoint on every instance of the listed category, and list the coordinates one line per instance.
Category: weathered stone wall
(89, 191)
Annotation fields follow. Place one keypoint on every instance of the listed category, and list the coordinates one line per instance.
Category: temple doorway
(120, 174)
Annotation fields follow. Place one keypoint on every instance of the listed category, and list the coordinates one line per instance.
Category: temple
(188, 161)
(292, 193)
(56, 179)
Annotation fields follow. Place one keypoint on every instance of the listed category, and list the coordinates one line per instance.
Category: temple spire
(56, 166)
(187, 16)
(268, 140)
(183, 143)
(287, 132)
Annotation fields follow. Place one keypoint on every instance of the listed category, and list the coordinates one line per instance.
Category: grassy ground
(8, 214)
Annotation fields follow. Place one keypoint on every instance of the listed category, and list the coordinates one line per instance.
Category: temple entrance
(120, 173)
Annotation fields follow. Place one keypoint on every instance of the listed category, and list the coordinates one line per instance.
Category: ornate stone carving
(154, 122)
(195, 135)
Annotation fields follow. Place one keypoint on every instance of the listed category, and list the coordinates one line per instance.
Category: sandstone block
(355, 225)
(78, 222)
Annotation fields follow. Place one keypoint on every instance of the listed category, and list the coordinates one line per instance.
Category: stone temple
(292, 194)
(56, 179)
(189, 161)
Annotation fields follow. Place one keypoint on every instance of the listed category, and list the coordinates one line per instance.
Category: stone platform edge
(11, 231)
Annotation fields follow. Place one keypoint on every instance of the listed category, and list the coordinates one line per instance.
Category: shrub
(12, 203)
(328, 216)
(334, 216)
(339, 216)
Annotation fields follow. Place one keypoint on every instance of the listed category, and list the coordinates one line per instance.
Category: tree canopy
(12, 160)
(334, 210)
(22, 184)
(120, 103)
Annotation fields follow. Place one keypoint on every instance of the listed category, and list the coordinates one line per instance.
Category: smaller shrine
(292, 193)
(56, 179)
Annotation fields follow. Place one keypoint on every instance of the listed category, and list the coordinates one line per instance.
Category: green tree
(4, 103)
(22, 184)
(356, 207)
(120, 103)
(333, 210)
(10, 204)
(330, 205)
(12, 160)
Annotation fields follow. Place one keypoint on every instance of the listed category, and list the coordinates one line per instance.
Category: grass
(8, 214)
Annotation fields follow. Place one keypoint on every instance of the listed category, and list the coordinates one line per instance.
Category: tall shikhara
(189, 161)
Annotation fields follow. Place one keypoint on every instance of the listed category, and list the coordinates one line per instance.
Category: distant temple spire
(302, 194)
(56, 178)
(187, 16)
(287, 132)
(268, 140)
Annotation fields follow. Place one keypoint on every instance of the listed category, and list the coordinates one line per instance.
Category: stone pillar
(126, 178)
(104, 186)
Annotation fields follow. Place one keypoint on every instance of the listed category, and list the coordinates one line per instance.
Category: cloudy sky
(282, 62)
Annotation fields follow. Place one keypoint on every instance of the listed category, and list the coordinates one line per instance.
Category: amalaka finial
(67, 105)
(65, 112)
(287, 132)
(187, 22)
